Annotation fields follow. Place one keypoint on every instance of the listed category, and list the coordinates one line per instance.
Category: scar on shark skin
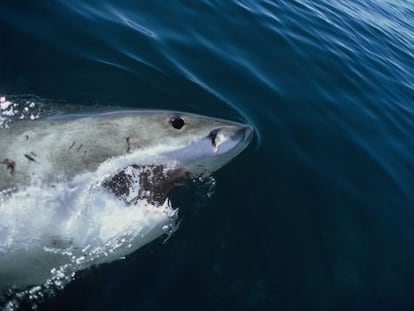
(79, 148)
(10, 165)
(73, 144)
(128, 144)
(30, 158)
(128, 141)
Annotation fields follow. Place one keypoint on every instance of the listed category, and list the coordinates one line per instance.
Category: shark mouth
(152, 183)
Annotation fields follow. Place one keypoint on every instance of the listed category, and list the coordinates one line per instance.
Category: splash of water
(24, 109)
(47, 234)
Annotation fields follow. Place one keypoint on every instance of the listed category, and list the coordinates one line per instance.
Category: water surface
(318, 213)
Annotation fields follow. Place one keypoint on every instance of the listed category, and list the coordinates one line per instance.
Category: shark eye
(177, 122)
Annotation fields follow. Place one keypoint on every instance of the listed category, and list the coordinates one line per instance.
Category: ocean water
(317, 214)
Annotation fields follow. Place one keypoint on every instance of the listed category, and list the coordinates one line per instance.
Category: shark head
(196, 145)
(63, 147)
(201, 145)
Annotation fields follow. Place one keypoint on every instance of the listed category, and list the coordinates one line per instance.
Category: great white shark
(58, 150)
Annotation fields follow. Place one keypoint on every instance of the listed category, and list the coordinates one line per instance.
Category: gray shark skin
(59, 148)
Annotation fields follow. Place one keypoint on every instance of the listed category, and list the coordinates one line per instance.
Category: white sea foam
(11, 110)
(79, 224)
(47, 234)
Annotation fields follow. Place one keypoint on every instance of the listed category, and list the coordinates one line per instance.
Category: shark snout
(226, 138)
(246, 132)
(211, 151)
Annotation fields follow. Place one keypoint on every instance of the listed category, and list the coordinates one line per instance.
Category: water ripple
(328, 85)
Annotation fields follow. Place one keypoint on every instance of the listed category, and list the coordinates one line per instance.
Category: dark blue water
(318, 214)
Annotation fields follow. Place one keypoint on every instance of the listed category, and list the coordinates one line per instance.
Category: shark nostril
(213, 136)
